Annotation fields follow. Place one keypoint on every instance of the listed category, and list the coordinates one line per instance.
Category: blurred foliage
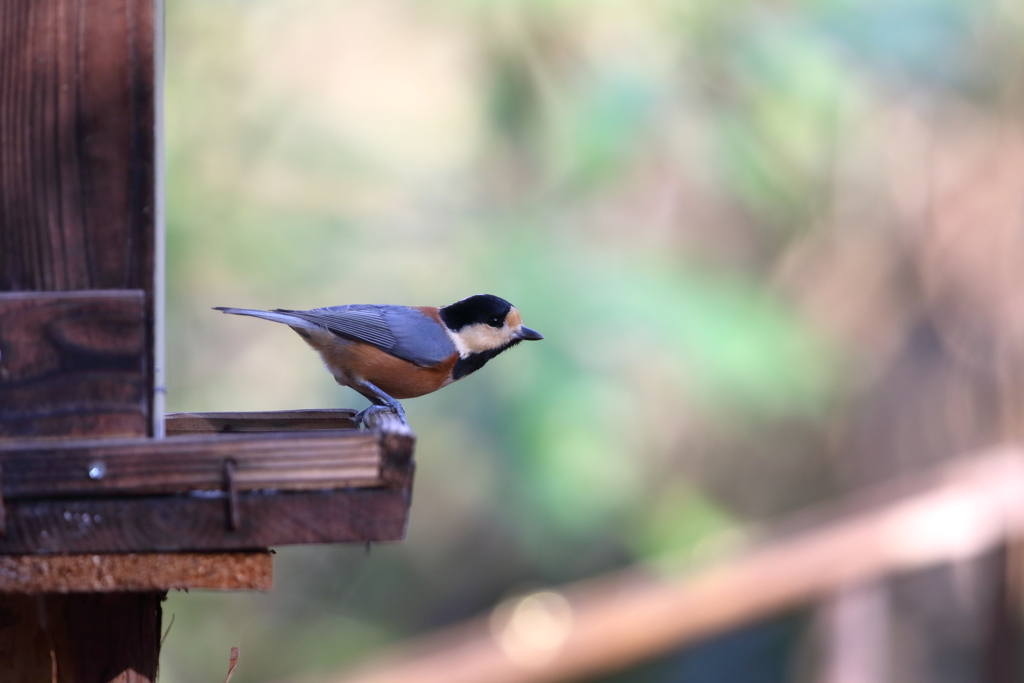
(642, 179)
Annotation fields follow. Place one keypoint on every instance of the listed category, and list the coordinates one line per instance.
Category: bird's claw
(385, 418)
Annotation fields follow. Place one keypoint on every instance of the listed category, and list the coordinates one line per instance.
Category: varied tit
(391, 352)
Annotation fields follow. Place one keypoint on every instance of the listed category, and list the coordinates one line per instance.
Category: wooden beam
(104, 522)
(1003, 659)
(188, 523)
(187, 464)
(141, 572)
(56, 638)
(357, 483)
(606, 624)
(123, 648)
(73, 363)
(77, 173)
(77, 213)
(76, 130)
(26, 655)
(181, 424)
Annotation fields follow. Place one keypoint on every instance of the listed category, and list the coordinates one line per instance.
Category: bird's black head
(479, 308)
(482, 326)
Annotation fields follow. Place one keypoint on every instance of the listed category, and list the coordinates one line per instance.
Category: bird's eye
(496, 320)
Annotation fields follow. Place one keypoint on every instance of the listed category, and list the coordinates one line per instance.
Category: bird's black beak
(529, 335)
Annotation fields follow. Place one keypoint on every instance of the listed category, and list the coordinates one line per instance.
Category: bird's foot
(385, 418)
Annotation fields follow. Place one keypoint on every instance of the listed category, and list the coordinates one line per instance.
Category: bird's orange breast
(350, 361)
(398, 378)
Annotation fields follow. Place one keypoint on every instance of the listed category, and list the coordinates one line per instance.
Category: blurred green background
(710, 209)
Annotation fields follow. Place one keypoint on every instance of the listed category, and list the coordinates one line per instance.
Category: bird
(387, 353)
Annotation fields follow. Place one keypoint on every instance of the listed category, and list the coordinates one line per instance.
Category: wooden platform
(136, 572)
(135, 514)
(101, 516)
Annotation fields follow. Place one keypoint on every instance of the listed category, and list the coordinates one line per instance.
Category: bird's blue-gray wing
(399, 330)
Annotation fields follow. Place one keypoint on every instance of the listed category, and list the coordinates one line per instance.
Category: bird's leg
(382, 402)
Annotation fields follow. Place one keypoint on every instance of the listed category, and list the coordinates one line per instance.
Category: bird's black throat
(475, 361)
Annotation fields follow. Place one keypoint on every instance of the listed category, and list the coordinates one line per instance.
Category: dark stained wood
(77, 213)
(57, 638)
(24, 643)
(76, 130)
(134, 572)
(301, 460)
(198, 520)
(1002, 657)
(231, 488)
(77, 178)
(3, 510)
(192, 523)
(178, 424)
(123, 648)
(73, 363)
(397, 450)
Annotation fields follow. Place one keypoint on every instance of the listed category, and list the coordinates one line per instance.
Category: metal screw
(97, 470)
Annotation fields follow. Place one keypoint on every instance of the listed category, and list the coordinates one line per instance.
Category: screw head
(97, 470)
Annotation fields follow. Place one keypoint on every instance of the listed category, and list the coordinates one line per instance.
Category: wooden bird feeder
(105, 504)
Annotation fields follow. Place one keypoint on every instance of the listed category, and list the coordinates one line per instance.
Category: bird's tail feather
(290, 320)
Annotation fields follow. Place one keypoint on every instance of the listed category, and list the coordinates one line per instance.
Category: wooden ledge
(179, 424)
(135, 572)
(270, 481)
(186, 464)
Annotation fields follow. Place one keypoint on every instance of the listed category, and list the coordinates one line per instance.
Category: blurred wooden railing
(963, 510)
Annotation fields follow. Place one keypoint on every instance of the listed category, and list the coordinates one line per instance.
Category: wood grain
(76, 130)
(73, 363)
(281, 461)
(135, 572)
(77, 179)
(178, 424)
(57, 637)
(75, 519)
(24, 644)
(77, 213)
(191, 523)
(104, 637)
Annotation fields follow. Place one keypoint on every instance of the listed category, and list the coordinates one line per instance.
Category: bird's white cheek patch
(460, 345)
(480, 337)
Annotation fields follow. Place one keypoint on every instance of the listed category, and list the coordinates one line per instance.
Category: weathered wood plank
(605, 624)
(79, 638)
(201, 520)
(73, 363)
(25, 646)
(178, 424)
(76, 130)
(299, 460)
(141, 572)
(108, 637)
(190, 523)
(77, 213)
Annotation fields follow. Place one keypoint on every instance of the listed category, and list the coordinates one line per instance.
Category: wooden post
(77, 213)
(1003, 660)
(90, 494)
(857, 634)
(79, 638)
